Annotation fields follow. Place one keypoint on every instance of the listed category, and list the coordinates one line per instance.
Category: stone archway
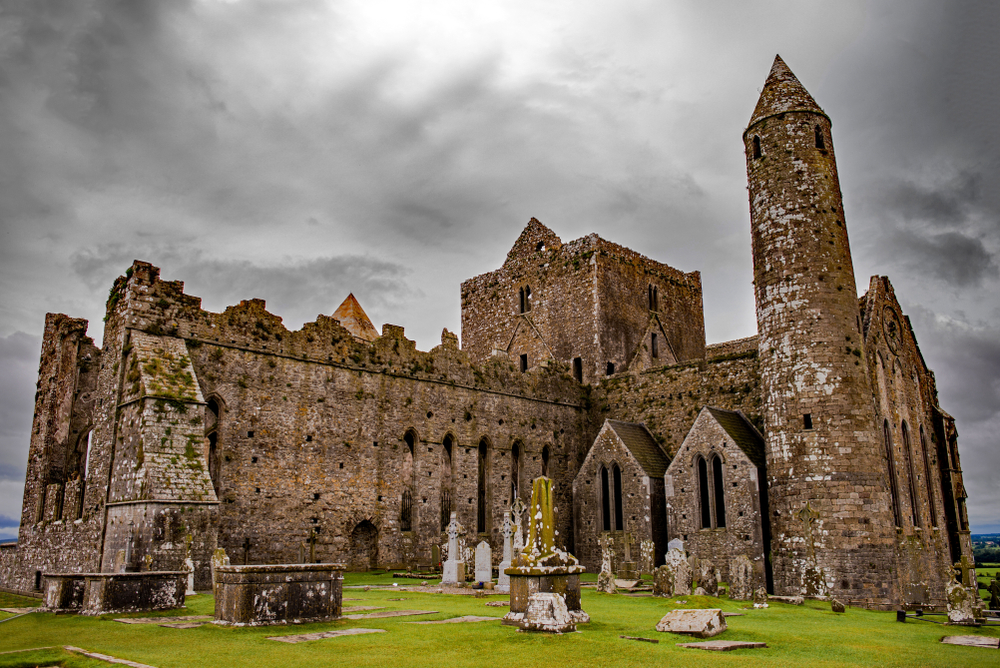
(363, 549)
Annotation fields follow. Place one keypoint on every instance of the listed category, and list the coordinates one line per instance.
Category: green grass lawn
(809, 635)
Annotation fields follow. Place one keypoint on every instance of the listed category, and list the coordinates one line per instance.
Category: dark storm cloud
(8, 522)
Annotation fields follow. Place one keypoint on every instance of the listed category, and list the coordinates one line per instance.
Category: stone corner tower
(830, 512)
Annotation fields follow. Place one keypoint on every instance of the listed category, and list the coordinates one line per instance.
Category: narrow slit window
(605, 501)
(524, 362)
(820, 141)
(527, 299)
(654, 349)
(756, 147)
(619, 510)
(704, 495)
(521, 300)
(720, 493)
(611, 368)
(807, 421)
(578, 369)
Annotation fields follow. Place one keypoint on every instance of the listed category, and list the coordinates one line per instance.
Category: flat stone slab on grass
(391, 613)
(722, 645)
(306, 637)
(791, 600)
(733, 614)
(972, 641)
(459, 620)
(164, 620)
(183, 625)
(105, 657)
(19, 611)
(359, 608)
(701, 623)
(626, 584)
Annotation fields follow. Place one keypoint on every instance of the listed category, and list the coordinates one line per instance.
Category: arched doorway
(363, 549)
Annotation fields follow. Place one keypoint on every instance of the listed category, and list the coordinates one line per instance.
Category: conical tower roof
(355, 320)
(782, 92)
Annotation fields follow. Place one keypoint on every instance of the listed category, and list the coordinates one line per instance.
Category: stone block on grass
(703, 623)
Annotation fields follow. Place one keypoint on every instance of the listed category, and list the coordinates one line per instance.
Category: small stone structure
(961, 604)
(106, 593)
(698, 623)
(547, 612)
(741, 584)
(543, 567)
(63, 591)
(259, 595)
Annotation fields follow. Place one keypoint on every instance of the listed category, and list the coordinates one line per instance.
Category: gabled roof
(782, 92)
(355, 320)
(744, 434)
(651, 457)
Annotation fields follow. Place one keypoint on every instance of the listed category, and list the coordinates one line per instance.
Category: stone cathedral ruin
(815, 450)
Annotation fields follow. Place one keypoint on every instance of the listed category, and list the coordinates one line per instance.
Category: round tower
(831, 520)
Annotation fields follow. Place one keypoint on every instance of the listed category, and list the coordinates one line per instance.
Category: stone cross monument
(454, 567)
(506, 530)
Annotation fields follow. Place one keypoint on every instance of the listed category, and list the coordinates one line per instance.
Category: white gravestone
(484, 562)
(454, 567)
(506, 530)
(189, 567)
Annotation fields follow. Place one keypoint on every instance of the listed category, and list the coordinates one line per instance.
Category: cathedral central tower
(830, 506)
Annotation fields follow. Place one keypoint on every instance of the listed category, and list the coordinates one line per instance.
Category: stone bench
(259, 595)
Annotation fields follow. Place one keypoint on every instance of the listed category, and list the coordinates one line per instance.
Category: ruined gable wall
(57, 532)
(296, 406)
(905, 394)
(742, 533)
(623, 281)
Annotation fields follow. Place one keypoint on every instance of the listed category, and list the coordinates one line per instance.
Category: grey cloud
(8, 522)
(953, 257)
(19, 370)
(295, 289)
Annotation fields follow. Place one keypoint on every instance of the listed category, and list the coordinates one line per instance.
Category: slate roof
(744, 434)
(782, 92)
(651, 457)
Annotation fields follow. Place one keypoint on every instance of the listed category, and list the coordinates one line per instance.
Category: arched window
(704, 494)
(605, 501)
(482, 506)
(409, 454)
(515, 470)
(405, 512)
(545, 461)
(213, 420)
(447, 487)
(619, 506)
(756, 147)
(928, 478)
(887, 435)
(914, 507)
(820, 142)
(720, 496)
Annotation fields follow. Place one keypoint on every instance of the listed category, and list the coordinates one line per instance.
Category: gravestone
(517, 509)
(435, 557)
(647, 557)
(760, 596)
(484, 562)
(606, 579)
(454, 567)
(698, 623)
(994, 590)
(741, 578)
(708, 577)
(961, 604)
(675, 575)
(628, 569)
(547, 612)
(219, 558)
(506, 530)
(189, 567)
(675, 544)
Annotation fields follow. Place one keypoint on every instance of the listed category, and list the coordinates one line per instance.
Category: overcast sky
(299, 150)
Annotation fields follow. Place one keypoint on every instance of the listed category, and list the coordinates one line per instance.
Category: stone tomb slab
(391, 613)
(458, 620)
(165, 620)
(700, 623)
(359, 608)
(722, 645)
(972, 641)
(306, 637)
(264, 594)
